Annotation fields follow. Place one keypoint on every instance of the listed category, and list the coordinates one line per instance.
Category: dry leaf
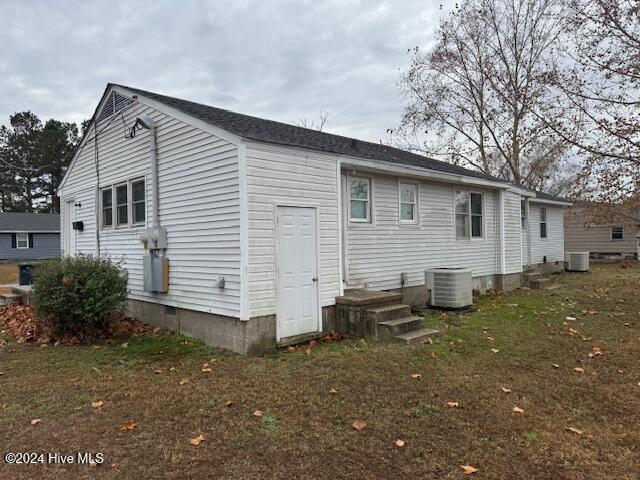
(36, 421)
(429, 341)
(307, 351)
(184, 381)
(257, 413)
(157, 370)
(579, 369)
(291, 349)
(517, 410)
(453, 404)
(125, 345)
(97, 404)
(196, 441)
(359, 425)
(575, 430)
(491, 339)
(399, 443)
(128, 425)
(506, 390)
(555, 365)
(229, 403)
(416, 375)
(468, 469)
(333, 391)
(495, 350)
(206, 368)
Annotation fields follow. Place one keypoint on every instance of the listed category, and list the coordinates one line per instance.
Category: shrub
(78, 294)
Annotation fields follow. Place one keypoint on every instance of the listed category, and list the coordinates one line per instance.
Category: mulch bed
(21, 322)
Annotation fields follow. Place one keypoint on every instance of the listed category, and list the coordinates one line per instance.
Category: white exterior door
(297, 309)
(69, 232)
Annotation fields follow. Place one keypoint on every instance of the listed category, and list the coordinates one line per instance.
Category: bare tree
(603, 88)
(317, 124)
(479, 97)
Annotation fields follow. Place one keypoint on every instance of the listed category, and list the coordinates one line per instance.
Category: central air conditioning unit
(578, 261)
(449, 287)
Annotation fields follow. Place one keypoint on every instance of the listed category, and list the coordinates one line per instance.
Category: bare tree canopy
(479, 97)
(602, 86)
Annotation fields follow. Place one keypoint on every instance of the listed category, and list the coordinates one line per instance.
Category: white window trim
(18, 234)
(540, 222)
(130, 201)
(114, 205)
(611, 233)
(369, 209)
(416, 204)
(470, 237)
(102, 225)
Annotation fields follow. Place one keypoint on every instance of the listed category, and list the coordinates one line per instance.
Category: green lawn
(305, 431)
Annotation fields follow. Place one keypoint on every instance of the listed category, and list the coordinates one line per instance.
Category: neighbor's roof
(548, 196)
(269, 131)
(29, 222)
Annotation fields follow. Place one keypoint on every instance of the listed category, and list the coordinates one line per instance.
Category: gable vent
(113, 105)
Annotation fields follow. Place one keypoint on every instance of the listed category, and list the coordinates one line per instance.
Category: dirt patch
(22, 324)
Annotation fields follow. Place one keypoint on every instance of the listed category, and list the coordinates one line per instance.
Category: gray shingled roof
(269, 131)
(29, 222)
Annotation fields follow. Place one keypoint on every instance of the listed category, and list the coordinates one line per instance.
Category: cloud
(282, 60)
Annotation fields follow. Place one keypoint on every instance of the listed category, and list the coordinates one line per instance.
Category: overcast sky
(275, 59)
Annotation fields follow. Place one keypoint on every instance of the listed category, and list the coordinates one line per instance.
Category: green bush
(78, 294)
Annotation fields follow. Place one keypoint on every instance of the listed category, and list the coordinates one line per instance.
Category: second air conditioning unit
(449, 287)
(578, 261)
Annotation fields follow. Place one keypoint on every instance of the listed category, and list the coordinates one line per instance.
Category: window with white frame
(408, 202)
(543, 222)
(617, 233)
(106, 197)
(359, 199)
(123, 205)
(468, 211)
(22, 240)
(138, 205)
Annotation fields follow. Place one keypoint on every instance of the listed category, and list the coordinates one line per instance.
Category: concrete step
(529, 278)
(388, 312)
(9, 298)
(390, 328)
(540, 283)
(368, 298)
(416, 335)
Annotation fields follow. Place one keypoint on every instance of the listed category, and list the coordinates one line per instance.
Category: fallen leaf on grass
(184, 381)
(468, 469)
(125, 345)
(506, 390)
(575, 430)
(157, 370)
(206, 368)
(333, 391)
(399, 443)
(128, 425)
(416, 375)
(291, 349)
(359, 425)
(453, 404)
(555, 365)
(229, 403)
(491, 339)
(97, 404)
(517, 410)
(579, 369)
(196, 441)
(257, 413)
(36, 421)
(307, 351)
(429, 341)
(495, 350)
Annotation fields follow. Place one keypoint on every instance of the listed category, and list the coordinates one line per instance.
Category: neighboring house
(29, 236)
(602, 230)
(264, 224)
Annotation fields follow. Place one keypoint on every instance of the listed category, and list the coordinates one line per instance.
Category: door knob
(315, 279)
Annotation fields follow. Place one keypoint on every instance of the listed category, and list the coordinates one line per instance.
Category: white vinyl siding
(289, 177)
(378, 253)
(553, 245)
(199, 207)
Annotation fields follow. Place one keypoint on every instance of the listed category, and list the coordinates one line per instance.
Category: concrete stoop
(379, 316)
(18, 294)
(535, 280)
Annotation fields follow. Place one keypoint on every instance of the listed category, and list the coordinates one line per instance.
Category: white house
(243, 231)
